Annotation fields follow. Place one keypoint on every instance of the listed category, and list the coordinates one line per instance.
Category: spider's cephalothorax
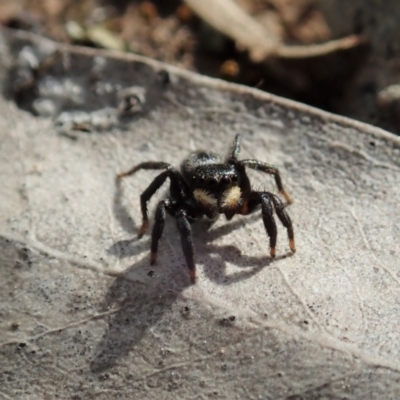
(209, 186)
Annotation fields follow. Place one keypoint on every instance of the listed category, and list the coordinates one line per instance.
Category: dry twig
(228, 18)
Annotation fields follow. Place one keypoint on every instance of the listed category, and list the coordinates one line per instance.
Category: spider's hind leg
(145, 198)
(178, 188)
(269, 169)
(145, 165)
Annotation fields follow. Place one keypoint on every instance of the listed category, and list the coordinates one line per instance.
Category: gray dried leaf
(82, 313)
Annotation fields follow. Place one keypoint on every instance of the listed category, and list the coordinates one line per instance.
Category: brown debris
(261, 42)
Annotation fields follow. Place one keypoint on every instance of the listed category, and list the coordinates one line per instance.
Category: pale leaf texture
(81, 314)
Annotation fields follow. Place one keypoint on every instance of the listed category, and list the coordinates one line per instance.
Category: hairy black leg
(235, 149)
(158, 228)
(145, 198)
(285, 219)
(145, 165)
(178, 188)
(269, 169)
(269, 202)
(251, 204)
(267, 211)
(185, 232)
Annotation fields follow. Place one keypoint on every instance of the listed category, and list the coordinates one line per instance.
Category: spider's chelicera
(208, 186)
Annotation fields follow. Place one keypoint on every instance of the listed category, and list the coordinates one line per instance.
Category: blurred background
(343, 57)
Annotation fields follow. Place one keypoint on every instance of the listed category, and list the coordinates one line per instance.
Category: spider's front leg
(185, 232)
(269, 202)
(158, 227)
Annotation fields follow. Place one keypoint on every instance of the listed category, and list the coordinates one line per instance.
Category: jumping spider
(207, 186)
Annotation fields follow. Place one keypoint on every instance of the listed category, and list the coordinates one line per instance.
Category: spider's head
(216, 187)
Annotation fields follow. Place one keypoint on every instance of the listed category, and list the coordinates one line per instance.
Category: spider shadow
(215, 267)
(139, 302)
(135, 246)
(121, 213)
(214, 258)
(130, 247)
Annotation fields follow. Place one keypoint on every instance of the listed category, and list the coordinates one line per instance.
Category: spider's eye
(234, 178)
(225, 180)
(212, 182)
(200, 180)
